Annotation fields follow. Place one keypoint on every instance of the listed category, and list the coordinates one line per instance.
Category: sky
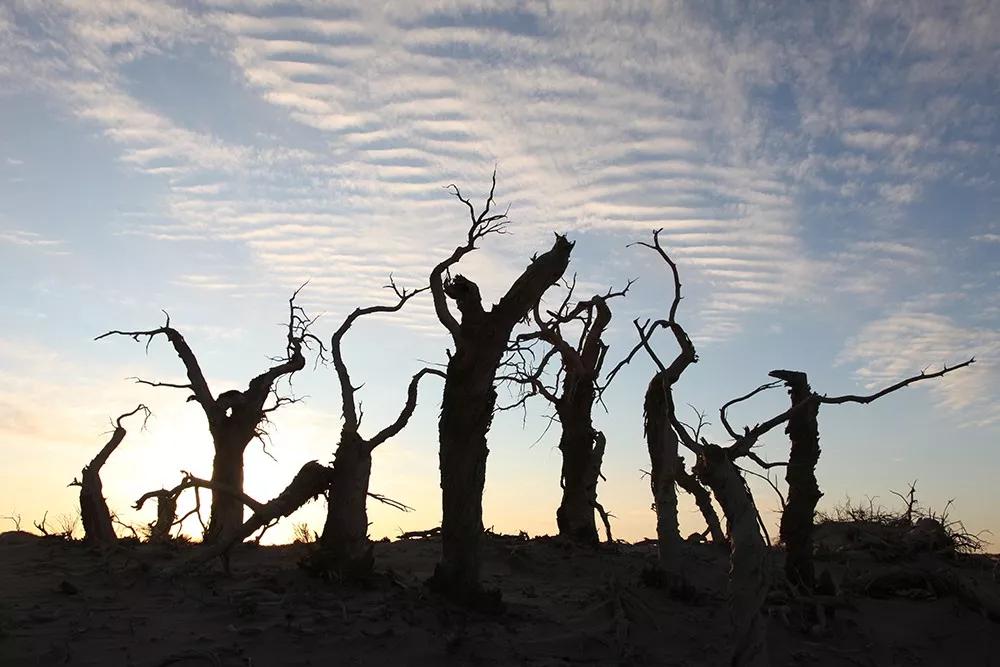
(826, 176)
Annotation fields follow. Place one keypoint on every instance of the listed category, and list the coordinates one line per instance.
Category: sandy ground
(65, 603)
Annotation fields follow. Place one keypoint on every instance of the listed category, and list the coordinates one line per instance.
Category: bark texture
(661, 442)
(703, 499)
(748, 581)
(579, 475)
(466, 414)
(796, 530)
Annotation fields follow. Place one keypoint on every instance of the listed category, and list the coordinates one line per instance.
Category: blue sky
(826, 177)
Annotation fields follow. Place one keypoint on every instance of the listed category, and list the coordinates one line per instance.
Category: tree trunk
(94, 512)
(166, 514)
(703, 499)
(796, 531)
(575, 516)
(344, 545)
(662, 444)
(227, 471)
(748, 580)
(469, 400)
(466, 414)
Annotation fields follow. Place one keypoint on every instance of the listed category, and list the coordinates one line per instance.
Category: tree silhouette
(666, 465)
(480, 338)
(803, 489)
(235, 417)
(344, 544)
(582, 446)
(94, 512)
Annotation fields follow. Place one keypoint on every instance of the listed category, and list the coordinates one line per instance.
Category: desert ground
(65, 603)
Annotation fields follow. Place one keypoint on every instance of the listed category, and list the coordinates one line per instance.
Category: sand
(62, 602)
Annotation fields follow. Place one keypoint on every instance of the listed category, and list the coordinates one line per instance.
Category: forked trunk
(662, 444)
(796, 529)
(466, 414)
(703, 499)
(227, 472)
(344, 546)
(748, 580)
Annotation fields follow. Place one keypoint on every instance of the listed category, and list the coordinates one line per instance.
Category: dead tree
(166, 504)
(748, 575)
(582, 446)
(344, 547)
(658, 410)
(97, 524)
(235, 417)
(748, 583)
(803, 489)
(480, 338)
(702, 496)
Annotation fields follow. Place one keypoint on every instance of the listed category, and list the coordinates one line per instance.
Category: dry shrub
(872, 524)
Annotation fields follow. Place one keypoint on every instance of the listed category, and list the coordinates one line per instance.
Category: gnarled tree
(748, 582)
(344, 546)
(748, 574)
(480, 338)
(94, 512)
(666, 465)
(235, 417)
(803, 489)
(582, 446)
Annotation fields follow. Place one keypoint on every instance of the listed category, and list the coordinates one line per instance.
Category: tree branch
(850, 398)
(196, 377)
(740, 399)
(542, 272)
(482, 225)
(407, 411)
(347, 390)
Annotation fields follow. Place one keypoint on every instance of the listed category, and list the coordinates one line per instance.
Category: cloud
(396, 103)
(25, 238)
(907, 341)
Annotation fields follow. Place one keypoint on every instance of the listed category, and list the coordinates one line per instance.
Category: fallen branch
(421, 534)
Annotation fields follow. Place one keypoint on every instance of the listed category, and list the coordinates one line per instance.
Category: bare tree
(748, 582)
(98, 527)
(344, 546)
(748, 575)
(480, 338)
(582, 446)
(803, 489)
(235, 417)
(658, 411)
